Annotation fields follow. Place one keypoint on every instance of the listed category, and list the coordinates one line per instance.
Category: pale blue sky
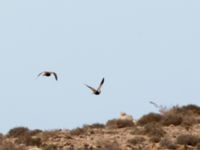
(146, 50)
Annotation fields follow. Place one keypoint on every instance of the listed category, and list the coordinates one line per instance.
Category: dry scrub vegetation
(177, 128)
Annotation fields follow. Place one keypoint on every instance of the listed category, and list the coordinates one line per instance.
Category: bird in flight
(98, 90)
(48, 74)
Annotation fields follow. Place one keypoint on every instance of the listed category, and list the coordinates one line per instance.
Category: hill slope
(176, 128)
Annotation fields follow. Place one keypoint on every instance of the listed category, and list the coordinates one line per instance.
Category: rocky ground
(177, 128)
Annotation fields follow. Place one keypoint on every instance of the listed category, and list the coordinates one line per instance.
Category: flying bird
(48, 74)
(98, 90)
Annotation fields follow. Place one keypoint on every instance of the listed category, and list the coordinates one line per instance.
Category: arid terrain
(176, 128)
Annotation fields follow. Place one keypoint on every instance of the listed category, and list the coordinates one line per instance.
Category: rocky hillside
(177, 128)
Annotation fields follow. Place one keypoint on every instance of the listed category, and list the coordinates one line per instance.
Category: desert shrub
(107, 145)
(34, 142)
(155, 138)
(87, 129)
(190, 108)
(198, 146)
(186, 110)
(78, 131)
(172, 120)
(10, 146)
(18, 131)
(95, 126)
(118, 123)
(136, 140)
(188, 121)
(167, 144)
(155, 131)
(137, 131)
(46, 135)
(149, 118)
(187, 139)
(50, 147)
(185, 116)
(28, 140)
(111, 146)
(1, 138)
(34, 132)
(23, 136)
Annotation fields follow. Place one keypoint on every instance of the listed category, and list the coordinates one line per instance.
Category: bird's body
(98, 90)
(48, 74)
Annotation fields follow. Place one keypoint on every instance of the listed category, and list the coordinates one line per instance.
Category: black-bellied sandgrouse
(98, 90)
(48, 74)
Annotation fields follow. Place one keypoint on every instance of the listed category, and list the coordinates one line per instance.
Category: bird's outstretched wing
(91, 88)
(154, 104)
(40, 74)
(55, 75)
(100, 85)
